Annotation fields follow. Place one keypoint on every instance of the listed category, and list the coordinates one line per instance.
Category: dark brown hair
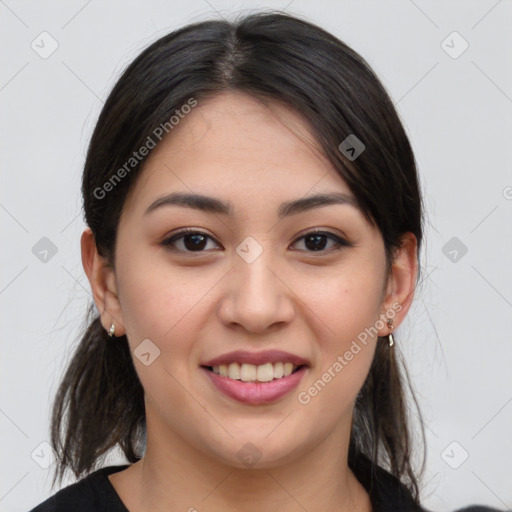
(273, 57)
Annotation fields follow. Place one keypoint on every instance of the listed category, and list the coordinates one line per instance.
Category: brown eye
(316, 241)
(190, 240)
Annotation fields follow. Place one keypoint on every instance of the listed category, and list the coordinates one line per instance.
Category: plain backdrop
(447, 66)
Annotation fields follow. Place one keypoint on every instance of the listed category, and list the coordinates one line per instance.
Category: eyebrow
(215, 205)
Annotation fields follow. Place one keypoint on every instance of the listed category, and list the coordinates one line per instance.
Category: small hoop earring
(112, 330)
(391, 340)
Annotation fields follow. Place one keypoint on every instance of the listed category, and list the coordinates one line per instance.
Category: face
(260, 277)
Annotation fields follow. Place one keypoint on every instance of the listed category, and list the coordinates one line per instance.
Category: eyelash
(340, 242)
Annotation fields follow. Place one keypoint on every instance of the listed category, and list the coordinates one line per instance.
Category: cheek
(347, 307)
(168, 304)
(348, 300)
(155, 298)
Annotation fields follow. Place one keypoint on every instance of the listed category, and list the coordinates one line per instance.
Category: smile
(245, 385)
(255, 373)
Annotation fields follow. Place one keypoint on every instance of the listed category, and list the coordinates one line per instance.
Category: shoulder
(94, 493)
(478, 508)
(389, 494)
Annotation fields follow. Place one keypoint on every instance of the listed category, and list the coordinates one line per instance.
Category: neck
(177, 476)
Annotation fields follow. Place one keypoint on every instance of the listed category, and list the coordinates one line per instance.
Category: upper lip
(256, 358)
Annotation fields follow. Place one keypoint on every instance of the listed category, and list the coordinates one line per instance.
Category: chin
(257, 451)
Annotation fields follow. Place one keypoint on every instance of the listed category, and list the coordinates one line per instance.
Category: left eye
(316, 240)
(195, 241)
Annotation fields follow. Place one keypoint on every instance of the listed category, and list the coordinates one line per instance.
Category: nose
(257, 297)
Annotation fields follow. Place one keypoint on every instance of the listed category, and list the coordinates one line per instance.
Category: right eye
(191, 240)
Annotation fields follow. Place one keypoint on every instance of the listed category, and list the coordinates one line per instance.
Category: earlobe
(402, 280)
(102, 280)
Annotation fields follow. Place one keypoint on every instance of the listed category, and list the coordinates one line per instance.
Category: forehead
(234, 145)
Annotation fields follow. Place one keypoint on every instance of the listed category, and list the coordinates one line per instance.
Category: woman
(254, 225)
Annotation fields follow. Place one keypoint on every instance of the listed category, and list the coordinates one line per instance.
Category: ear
(102, 279)
(401, 283)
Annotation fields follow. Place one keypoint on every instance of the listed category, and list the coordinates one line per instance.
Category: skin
(194, 307)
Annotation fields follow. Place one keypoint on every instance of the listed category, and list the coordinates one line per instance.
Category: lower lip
(255, 393)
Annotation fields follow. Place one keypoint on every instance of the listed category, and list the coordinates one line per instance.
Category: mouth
(244, 386)
(255, 377)
(246, 372)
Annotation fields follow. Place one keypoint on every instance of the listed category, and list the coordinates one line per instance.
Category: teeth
(248, 372)
(265, 372)
(252, 373)
(234, 371)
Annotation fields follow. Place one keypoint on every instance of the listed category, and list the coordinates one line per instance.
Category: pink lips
(256, 358)
(255, 393)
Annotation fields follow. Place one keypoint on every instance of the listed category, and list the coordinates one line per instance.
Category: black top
(95, 493)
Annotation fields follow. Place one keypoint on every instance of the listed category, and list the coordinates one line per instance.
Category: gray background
(457, 110)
